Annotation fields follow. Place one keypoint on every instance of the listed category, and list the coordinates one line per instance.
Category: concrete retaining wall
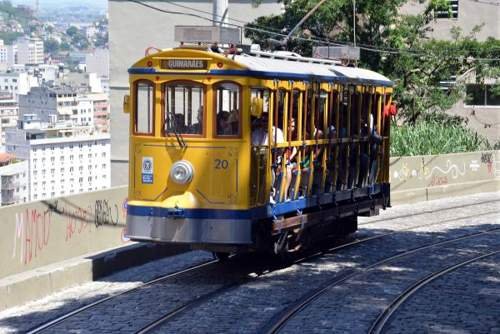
(421, 178)
(40, 233)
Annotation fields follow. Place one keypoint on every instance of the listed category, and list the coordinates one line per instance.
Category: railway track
(192, 303)
(278, 322)
(185, 309)
(425, 212)
(51, 323)
(379, 324)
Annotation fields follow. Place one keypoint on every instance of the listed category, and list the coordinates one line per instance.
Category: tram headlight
(182, 172)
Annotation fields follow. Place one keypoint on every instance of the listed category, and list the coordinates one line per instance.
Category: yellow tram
(244, 152)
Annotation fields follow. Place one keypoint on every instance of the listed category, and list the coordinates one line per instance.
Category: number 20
(221, 164)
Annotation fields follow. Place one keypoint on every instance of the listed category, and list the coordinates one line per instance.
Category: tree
(395, 45)
(72, 31)
(51, 46)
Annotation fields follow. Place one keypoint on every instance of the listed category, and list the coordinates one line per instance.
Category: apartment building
(58, 104)
(62, 159)
(13, 180)
(9, 111)
(29, 50)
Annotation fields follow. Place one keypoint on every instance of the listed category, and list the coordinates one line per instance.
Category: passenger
(197, 128)
(176, 124)
(306, 162)
(260, 137)
(375, 141)
(223, 125)
(290, 155)
(364, 159)
(234, 121)
(259, 132)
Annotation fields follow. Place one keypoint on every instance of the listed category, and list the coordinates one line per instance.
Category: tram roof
(289, 69)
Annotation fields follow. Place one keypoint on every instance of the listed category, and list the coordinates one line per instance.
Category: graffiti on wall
(32, 234)
(438, 173)
(33, 230)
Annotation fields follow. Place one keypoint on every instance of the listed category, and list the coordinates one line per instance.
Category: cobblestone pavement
(354, 305)
(248, 307)
(19, 319)
(464, 301)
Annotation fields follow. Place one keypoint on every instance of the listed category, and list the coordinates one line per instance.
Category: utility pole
(219, 12)
(354, 21)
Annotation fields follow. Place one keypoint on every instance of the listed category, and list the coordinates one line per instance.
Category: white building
(17, 83)
(29, 50)
(47, 72)
(9, 111)
(3, 56)
(85, 114)
(8, 55)
(50, 104)
(60, 162)
(13, 180)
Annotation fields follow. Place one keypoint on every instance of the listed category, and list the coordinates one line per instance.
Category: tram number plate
(221, 164)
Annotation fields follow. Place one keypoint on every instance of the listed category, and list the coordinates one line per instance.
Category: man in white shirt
(260, 136)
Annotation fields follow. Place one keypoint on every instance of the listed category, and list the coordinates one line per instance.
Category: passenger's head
(261, 122)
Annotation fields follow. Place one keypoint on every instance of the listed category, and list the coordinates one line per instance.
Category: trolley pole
(220, 12)
(354, 21)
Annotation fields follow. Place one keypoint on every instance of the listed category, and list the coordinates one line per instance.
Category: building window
(448, 10)
(483, 95)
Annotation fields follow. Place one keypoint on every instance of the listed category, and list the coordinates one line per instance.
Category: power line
(256, 28)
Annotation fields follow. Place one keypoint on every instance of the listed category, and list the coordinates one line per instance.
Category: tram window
(227, 107)
(144, 106)
(183, 109)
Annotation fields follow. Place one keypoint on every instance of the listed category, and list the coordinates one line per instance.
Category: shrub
(434, 137)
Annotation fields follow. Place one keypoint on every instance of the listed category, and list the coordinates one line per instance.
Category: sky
(98, 4)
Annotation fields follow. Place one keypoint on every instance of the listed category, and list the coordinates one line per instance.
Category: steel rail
(383, 318)
(59, 319)
(278, 322)
(428, 212)
(185, 307)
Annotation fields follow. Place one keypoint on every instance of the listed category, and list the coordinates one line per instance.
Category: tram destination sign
(184, 64)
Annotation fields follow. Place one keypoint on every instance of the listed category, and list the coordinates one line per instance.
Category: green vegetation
(9, 37)
(433, 137)
(426, 72)
(22, 15)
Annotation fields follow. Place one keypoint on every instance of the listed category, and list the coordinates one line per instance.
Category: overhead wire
(257, 28)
